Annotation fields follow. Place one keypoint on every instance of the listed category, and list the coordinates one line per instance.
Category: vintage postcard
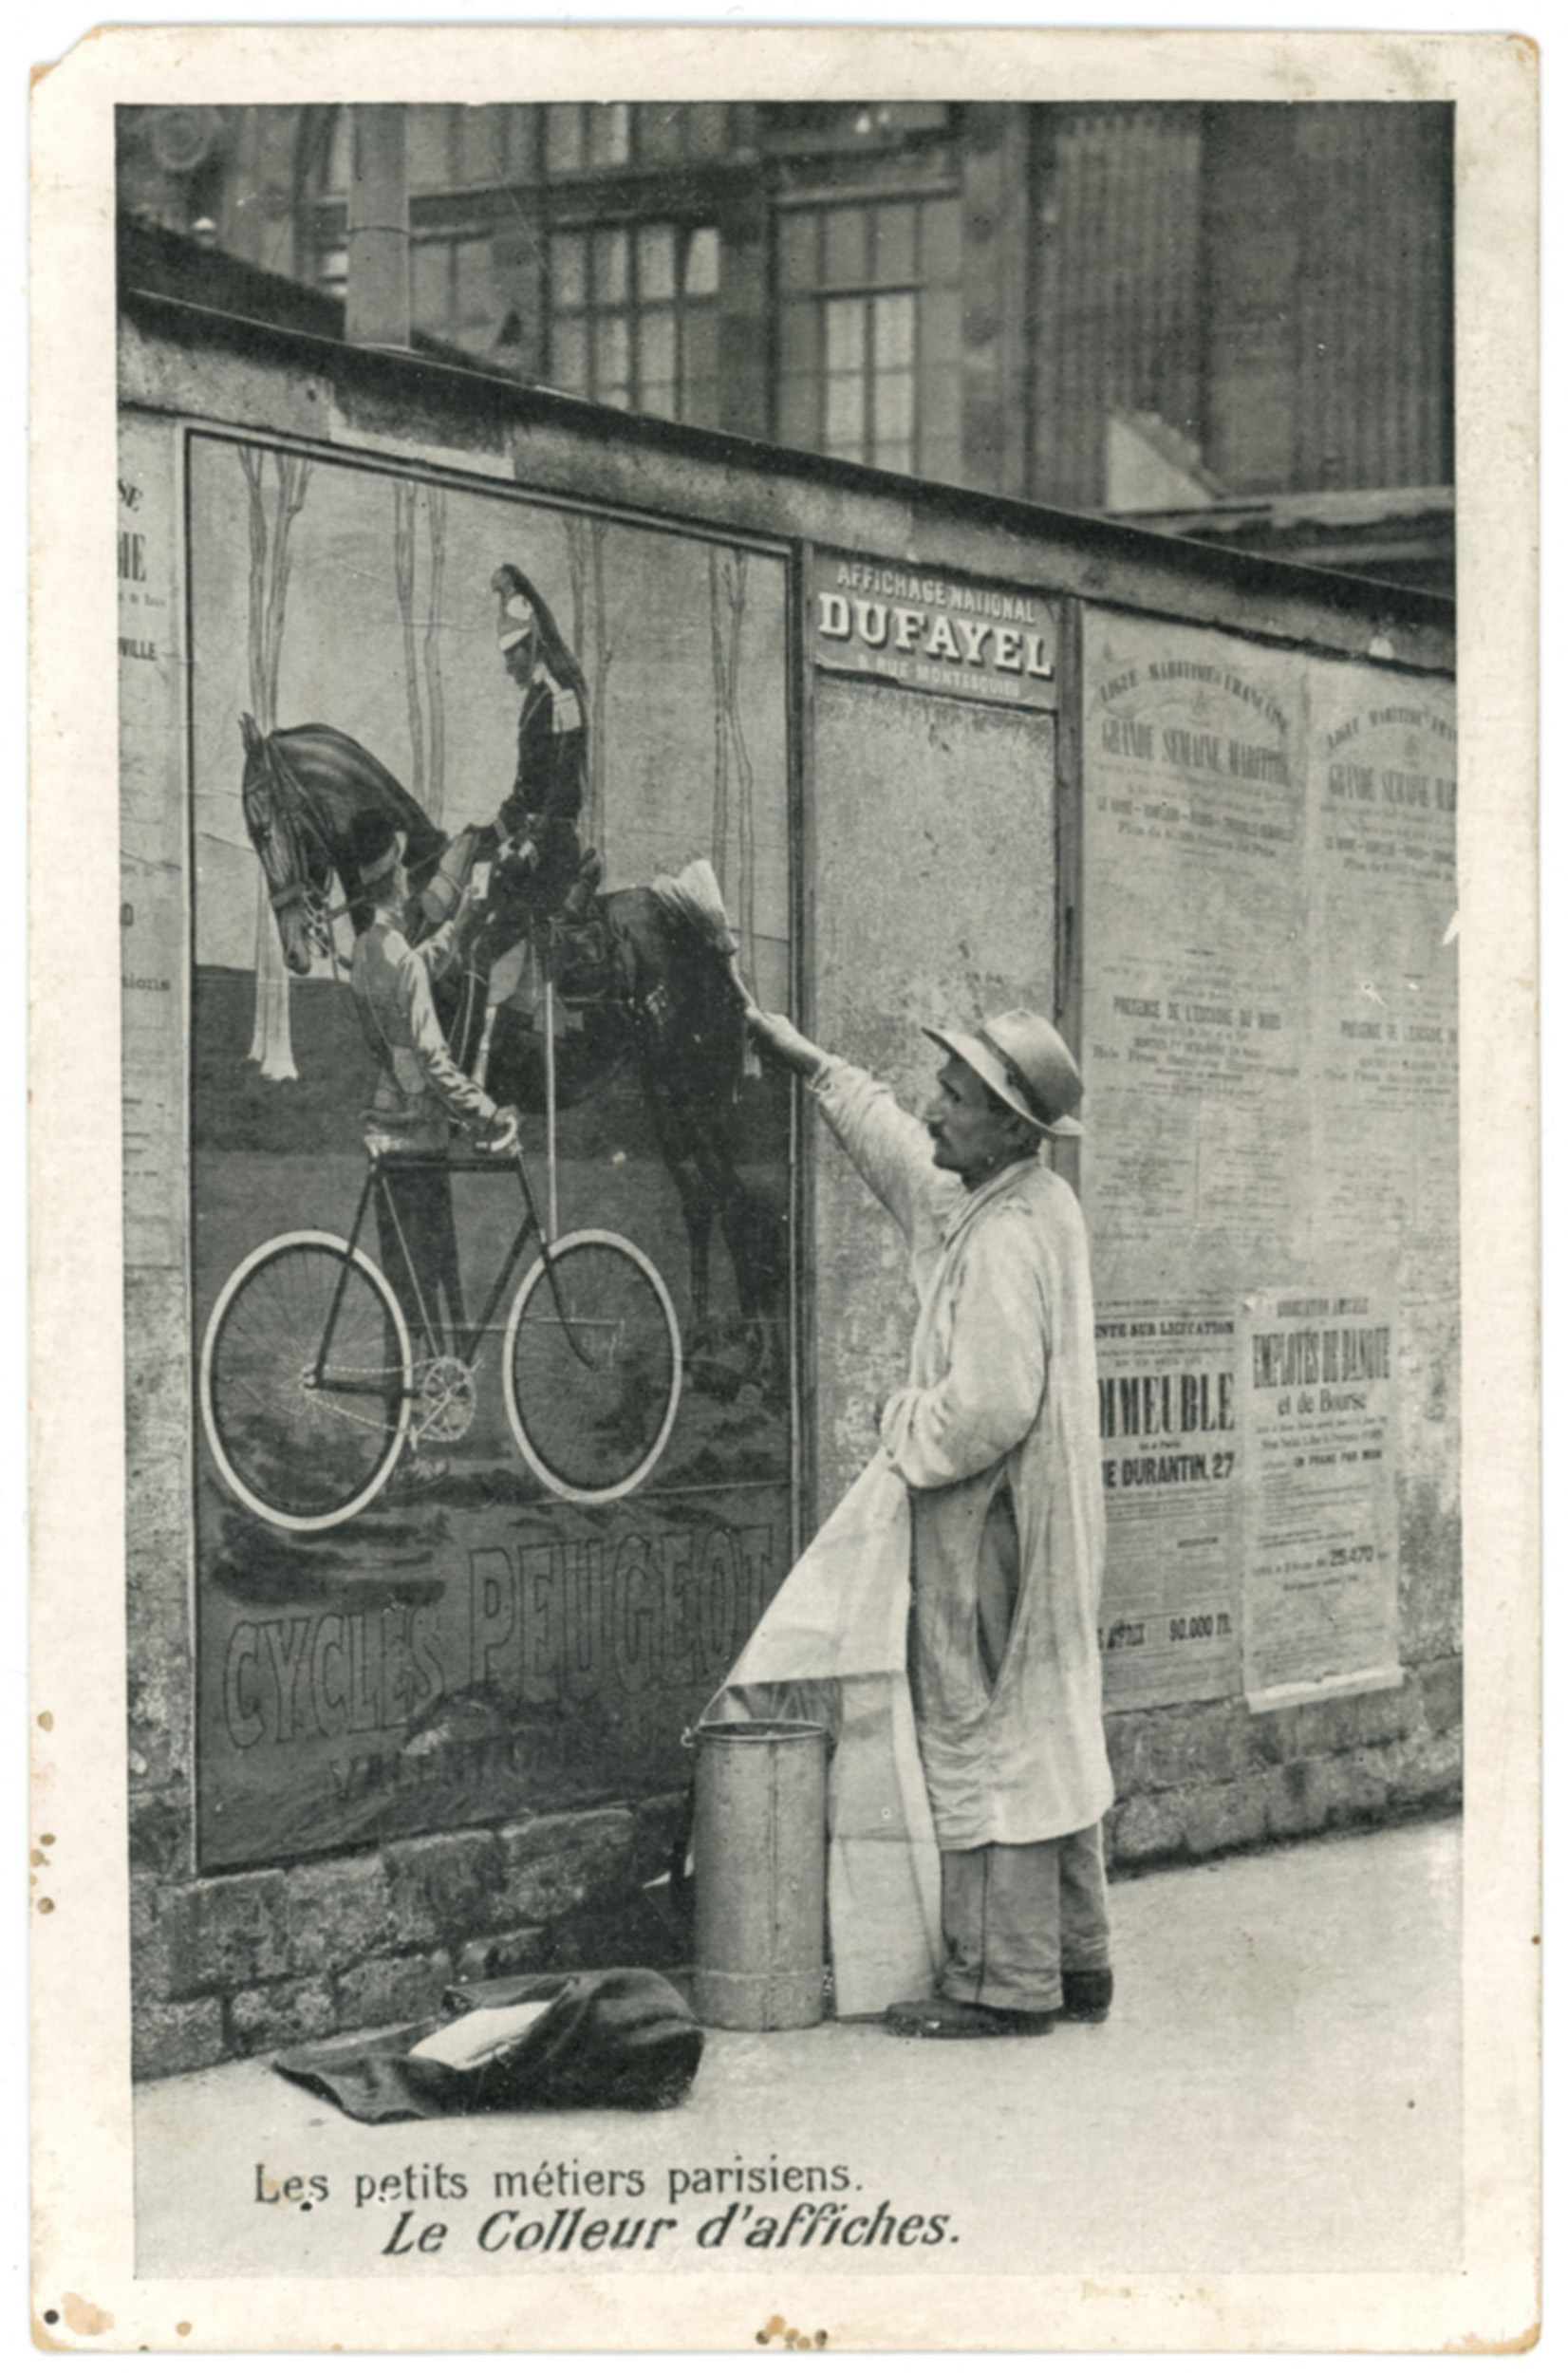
(785, 1560)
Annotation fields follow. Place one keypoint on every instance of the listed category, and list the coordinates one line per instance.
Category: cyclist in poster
(419, 1090)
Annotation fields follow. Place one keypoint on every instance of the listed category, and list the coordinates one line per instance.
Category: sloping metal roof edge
(462, 383)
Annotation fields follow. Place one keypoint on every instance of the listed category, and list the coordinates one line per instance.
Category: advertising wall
(928, 784)
(1270, 1058)
(470, 1641)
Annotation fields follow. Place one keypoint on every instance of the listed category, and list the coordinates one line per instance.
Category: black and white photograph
(818, 1405)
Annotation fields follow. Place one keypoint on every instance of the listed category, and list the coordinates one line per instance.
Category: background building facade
(1229, 320)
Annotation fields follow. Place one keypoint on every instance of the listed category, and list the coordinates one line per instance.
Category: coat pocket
(996, 1569)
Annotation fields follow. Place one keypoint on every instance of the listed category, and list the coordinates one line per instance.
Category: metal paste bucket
(759, 1847)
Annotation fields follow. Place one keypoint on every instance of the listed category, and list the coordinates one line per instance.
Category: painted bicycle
(315, 1379)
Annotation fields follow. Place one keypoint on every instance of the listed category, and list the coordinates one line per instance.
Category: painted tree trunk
(727, 612)
(603, 658)
(433, 686)
(272, 1035)
(735, 577)
(404, 533)
(721, 726)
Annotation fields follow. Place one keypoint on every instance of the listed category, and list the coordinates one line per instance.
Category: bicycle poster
(354, 1680)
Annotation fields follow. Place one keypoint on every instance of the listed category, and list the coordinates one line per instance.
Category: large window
(577, 139)
(591, 138)
(447, 148)
(634, 319)
(452, 285)
(452, 150)
(870, 332)
(454, 290)
(631, 305)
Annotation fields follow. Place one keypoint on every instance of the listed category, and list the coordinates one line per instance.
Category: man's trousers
(419, 1253)
(1015, 1916)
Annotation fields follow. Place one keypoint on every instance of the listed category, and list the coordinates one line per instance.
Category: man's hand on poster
(504, 1132)
(778, 1038)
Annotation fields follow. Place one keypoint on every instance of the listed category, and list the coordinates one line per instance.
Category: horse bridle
(297, 818)
(291, 809)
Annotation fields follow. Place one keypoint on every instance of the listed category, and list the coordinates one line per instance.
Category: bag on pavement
(599, 2038)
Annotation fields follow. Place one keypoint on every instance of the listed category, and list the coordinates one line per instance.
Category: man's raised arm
(892, 1150)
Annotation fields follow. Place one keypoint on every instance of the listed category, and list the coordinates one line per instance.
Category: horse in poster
(645, 985)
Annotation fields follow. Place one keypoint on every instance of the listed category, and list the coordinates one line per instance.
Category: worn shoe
(414, 1475)
(1086, 1995)
(940, 2021)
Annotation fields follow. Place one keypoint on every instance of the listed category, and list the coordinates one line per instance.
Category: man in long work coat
(997, 1437)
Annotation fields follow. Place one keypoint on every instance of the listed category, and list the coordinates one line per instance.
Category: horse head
(295, 854)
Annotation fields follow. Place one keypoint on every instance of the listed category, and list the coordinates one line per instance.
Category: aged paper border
(81, 2113)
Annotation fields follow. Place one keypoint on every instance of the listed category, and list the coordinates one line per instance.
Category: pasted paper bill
(1167, 2184)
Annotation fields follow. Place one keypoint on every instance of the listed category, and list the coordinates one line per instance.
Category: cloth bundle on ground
(603, 2039)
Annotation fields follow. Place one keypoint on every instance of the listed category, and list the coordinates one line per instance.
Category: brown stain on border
(1473, 2345)
(76, 2314)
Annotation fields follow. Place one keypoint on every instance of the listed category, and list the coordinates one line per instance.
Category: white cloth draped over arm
(990, 1395)
(830, 1649)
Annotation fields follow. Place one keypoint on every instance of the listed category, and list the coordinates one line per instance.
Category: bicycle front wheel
(591, 1367)
(306, 1382)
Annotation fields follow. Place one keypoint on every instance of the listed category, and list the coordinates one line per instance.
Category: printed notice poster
(1382, 795)
(1169, 1630)
(1195, 912)
(152, 850)
(1318, 1544)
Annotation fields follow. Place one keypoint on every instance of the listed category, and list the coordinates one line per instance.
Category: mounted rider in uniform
(535, 827)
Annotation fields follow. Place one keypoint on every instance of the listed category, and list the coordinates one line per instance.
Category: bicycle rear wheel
(306, 1382)
(591, 1367)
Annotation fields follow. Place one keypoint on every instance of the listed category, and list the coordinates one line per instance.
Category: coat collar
(973, 1203)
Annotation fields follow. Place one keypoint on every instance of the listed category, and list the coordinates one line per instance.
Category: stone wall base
(226, 1966)
(1195, 1780)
